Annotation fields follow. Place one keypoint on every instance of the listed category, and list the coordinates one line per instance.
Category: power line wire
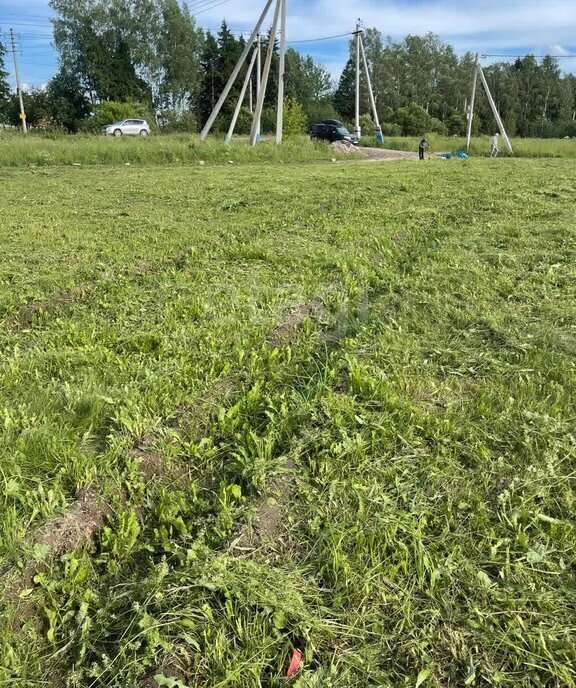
(199, 10)
(520, 57)
(324, 38)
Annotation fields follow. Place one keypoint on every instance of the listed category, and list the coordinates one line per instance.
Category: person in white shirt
(494, 150)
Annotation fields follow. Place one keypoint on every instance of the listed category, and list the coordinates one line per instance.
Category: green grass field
(257, 408)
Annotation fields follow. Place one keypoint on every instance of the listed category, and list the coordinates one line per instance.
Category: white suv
(127, 127)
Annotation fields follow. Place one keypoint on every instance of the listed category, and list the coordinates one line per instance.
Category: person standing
(424, 143)
(494, 150)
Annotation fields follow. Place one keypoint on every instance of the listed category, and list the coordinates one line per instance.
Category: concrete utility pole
(247, 80)
(259, 78)
(495, 110)
(282, 74)
(18, 85)
(235, 73)
(357, 128)
(379, 136)
(472, 102)
(265, 76)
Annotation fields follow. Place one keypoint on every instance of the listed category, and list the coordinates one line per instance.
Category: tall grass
(17, 150)
(480, 146)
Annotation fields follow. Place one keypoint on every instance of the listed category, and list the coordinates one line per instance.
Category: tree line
(150, 58)
(422, 85)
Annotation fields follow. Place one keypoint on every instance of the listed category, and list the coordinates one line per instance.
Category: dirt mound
(344, 147)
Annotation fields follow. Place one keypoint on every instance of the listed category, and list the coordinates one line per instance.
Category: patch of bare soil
(286, 331)
(386, 155)
(268, 523)
(24, 319)
(81, 522)
(83, 519)
(150, 461)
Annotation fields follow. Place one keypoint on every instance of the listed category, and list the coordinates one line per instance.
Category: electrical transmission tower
(361, 54)
(479, 72)
(262, 76)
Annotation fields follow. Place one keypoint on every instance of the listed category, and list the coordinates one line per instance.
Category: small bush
(268, 121)
(391, 129)
(414, 120)
(244, 124)
(456, 125)
(367, 125)
(438, 127)
(183, 122)
(294, 119)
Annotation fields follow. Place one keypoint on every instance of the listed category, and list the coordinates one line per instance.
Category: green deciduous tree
(66, 101)
(414, 120)
(179, 48)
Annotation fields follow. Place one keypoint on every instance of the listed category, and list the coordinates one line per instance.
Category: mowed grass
(480, 146)
(39, 150)
(385, 482)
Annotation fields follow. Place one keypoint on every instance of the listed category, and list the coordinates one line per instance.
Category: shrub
(244, 123)
(294, 119)
(185, 122)
(414, 120)
(456, 124)
(438, 127)
(391, 129)
(268, 122)
(367, 125)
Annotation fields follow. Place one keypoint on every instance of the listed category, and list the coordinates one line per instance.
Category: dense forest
(121, 58)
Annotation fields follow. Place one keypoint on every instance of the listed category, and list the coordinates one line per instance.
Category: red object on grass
(295, 664)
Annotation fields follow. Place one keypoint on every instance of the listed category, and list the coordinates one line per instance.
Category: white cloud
(514, 20)
(559, 50)
(490, 26)
(486, 26)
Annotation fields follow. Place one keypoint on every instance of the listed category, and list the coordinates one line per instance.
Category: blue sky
(488, 26)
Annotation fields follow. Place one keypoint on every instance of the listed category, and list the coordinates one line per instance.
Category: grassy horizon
(480, 146)
(46, 150)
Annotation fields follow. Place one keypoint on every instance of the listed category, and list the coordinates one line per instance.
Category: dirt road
(386, 155)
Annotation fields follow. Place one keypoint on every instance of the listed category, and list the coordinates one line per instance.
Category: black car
(332, 130)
